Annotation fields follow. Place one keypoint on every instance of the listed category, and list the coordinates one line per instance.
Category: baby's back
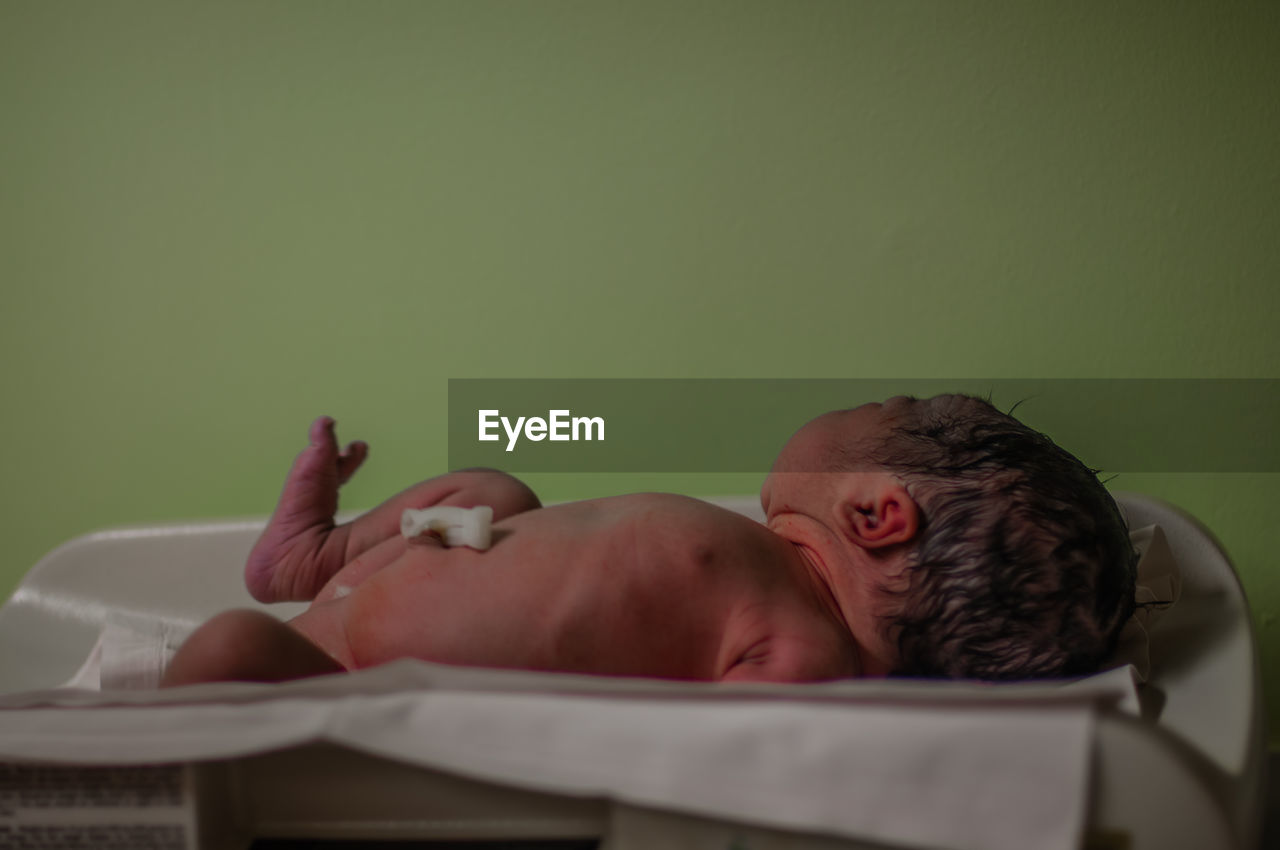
(645, 585)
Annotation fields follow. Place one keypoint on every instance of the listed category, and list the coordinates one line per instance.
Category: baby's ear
(877, 511)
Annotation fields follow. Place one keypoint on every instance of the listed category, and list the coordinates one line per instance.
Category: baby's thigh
(506, 494)
(245, 645)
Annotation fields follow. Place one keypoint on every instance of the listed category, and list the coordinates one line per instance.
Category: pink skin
(648, 584)
(302, 548)
(297, 553)
(852, 528)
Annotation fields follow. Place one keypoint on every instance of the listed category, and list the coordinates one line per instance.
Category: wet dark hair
(1023, 566)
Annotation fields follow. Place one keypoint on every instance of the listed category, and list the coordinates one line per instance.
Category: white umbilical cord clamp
(455, 526)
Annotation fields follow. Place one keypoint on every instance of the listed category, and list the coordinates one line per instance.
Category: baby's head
(1005, 556)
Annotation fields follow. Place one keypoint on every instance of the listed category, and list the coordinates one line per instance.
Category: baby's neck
(813, 566)
(841, 583)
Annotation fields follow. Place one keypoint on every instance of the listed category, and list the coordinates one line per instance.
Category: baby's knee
(505, 493)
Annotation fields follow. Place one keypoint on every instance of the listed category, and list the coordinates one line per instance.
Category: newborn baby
(933, 537)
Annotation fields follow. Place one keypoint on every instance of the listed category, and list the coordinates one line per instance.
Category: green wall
(218, 220)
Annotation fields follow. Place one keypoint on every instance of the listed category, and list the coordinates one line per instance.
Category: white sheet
(906, 762)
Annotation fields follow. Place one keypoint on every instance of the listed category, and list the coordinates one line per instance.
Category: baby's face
(802, 476)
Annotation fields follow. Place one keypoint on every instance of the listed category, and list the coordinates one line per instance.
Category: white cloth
(948, 765)
(131, 653)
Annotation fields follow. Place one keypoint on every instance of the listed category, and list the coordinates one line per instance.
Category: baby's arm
(793, 658)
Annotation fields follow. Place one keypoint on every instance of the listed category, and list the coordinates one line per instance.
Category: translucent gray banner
(739, 425)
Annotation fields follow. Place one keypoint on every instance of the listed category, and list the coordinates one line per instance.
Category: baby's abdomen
(453, 606)
(366, 564)
(583, 610)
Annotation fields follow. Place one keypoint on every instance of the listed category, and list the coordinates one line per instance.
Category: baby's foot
(295, 555)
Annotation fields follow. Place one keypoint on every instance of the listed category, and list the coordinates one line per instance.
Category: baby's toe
(351, 459)
(321, 433)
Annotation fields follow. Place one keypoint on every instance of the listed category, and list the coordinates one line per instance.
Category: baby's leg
(293, 553)
(246, 646)
(301, 548)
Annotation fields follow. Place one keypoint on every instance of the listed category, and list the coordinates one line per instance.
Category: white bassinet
(416, 752)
